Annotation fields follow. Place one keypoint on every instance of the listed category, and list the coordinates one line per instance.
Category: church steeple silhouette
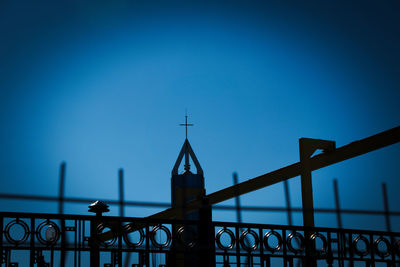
(186, 186)
(187, 151)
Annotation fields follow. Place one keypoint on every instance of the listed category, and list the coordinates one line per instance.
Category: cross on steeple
(187, 153)
(186, 124)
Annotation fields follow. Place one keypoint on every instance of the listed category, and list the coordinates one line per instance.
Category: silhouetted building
(186, 186)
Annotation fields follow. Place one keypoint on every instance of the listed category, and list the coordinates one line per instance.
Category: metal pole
(121, 214)
(337, 203)
(239, 212)
(32, 245)
(1, 240)
(61, 194)
(61, 189)
(121, 192)
(237, 199)
(94, 247)
(288, 204)
(306, 184)
(98, 208)
(341, 237)
(206, 235)
(307, 148)
(386, 207)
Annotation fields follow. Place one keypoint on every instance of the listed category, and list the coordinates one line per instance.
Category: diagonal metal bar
(319, 161)
(316, 162)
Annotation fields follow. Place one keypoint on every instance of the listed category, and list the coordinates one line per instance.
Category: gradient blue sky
(103, 85)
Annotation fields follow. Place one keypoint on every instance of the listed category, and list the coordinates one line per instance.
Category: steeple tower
(186, 186)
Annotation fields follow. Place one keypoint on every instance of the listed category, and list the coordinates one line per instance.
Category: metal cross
(186, 124)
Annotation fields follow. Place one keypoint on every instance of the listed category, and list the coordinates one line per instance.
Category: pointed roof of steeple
(187, 151)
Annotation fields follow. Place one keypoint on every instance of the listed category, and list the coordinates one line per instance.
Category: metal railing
(32, 239)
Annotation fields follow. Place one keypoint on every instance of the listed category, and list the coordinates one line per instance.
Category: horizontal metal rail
(215, 207)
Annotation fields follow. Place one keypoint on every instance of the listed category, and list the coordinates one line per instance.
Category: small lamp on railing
(99, 208)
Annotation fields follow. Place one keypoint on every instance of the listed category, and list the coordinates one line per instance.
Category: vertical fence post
(306, 199)
(239, 210)
(340, 235)
(206, 235)
(61, 194)
(1, 240)
(94, 246)
(288, 204)
(121, 214)
(32, 245)
(61, 191)
(337, 203)
(98, 208)
(237, 199)
(306, 183)
(121, 192)
(386, 207)
(307, 147)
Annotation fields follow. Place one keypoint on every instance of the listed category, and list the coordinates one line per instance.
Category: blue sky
(104, 85)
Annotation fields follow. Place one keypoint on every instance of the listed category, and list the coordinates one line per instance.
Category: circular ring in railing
(153, 236)
(231, 244)
(51, 233)
(314, 238)
(382, 253)
(243, 240)
(12, 233)
(130, 229)
(278, 237)
(361, 252)
(295, 236)
(190, 239)
(101, 228)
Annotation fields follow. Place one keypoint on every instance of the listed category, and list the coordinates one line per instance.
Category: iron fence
(32, 239)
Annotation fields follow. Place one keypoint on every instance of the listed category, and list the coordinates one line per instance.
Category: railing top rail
(302, 228)
(172, 221)
(53, 216)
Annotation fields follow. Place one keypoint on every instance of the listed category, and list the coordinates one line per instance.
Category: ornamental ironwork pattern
(275, 245)
(75, 240)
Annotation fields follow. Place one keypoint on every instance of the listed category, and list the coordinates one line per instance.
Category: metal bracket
(310, 145)
(307, 147)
